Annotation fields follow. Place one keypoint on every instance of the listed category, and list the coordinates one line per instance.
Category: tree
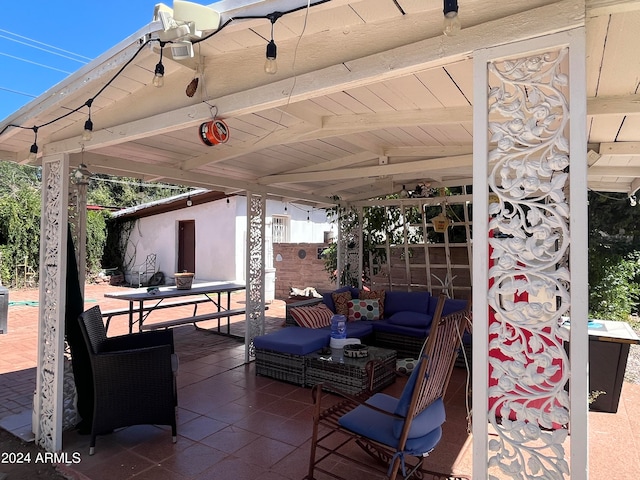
(20, 200)
(614, 256)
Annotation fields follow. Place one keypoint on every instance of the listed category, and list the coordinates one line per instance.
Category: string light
(189, 201)
(88, 125)
(270, 64)
(158, 79)
(158, 76)
(451, 25)
(33, 151)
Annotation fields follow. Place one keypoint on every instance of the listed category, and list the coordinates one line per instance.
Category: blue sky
(82, 29)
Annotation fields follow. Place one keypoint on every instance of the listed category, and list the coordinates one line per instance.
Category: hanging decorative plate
(441, 223)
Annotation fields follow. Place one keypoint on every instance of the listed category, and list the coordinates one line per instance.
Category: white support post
(480, 350)
(255, 274)
(533, 148)
(48, 400)
(578, 226)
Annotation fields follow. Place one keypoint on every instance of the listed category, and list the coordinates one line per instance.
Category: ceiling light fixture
(189, 201)
(270, 64)
(451, 24)
(88, 125)
(158, 77)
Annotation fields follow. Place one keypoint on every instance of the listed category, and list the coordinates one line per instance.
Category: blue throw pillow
(411, 319)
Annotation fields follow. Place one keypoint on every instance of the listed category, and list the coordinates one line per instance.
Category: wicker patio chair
(133, 377)
(397, 432)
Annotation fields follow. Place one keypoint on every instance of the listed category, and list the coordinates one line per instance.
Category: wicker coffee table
(349, 374)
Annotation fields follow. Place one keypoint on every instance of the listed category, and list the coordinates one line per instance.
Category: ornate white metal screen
(256, 219)
(53, 230)
(530, 154)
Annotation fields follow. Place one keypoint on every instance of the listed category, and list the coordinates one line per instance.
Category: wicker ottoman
(281, 354)
(349, 374)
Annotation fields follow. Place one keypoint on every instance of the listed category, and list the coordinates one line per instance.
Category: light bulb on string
(270, 64)
(189, 201)
(158, 76)
(451, 24)
(33, 151)
(87, 133)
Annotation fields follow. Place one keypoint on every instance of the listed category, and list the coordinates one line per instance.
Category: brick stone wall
(297, 265)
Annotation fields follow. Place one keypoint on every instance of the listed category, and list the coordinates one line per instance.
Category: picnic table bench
(155, 298)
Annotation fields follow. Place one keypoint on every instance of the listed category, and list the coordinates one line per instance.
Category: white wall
(221, 229)
(214, 226)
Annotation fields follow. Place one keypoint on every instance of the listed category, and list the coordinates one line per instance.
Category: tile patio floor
(234, 425)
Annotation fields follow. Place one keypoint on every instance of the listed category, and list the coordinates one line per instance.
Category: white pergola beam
(620, 148)
(419, 166)
(597, 8)
(632, 172)
(108, 165)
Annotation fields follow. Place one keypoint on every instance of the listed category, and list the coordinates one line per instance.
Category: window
(280, 229)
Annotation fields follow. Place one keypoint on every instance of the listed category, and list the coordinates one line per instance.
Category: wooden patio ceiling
(369, 96)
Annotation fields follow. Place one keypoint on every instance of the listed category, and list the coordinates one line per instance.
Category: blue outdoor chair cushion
(382, 428)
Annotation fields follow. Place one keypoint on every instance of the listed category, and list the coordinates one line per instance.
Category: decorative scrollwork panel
(256, 211)
(528, 271)
(49, 381)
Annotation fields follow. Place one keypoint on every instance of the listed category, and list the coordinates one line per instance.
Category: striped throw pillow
(315, 316)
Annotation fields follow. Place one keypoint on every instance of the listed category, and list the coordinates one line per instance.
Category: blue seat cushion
(383, 428)
(395, 301)
(294, 340)
(411, 319)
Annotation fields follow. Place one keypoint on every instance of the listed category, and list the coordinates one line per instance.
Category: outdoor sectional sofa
(394, 320)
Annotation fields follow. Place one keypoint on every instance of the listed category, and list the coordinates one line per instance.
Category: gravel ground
(632, 374)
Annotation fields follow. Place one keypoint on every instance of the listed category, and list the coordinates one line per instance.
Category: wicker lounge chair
(133, 377)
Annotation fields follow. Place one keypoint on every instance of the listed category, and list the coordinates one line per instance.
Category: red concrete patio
(233, 424)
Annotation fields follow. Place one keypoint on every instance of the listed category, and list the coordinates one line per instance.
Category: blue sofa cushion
(294, 341)
(411, 319)
(406, 302)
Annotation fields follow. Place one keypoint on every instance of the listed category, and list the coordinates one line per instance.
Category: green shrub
(613, 284)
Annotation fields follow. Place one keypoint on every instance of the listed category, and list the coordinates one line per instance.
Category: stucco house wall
(221, 230)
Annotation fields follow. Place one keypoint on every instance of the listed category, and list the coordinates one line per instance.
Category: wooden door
(187, 246)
